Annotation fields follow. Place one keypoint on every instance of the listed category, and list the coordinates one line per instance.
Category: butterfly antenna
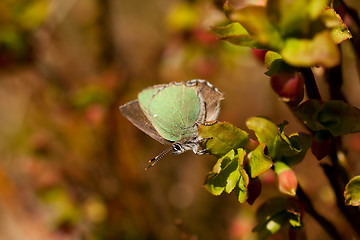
(158, 157)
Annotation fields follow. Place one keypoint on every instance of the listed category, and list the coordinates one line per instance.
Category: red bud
(287, 180)
(289, 86)
(321, 144)
(259, 54)
(254, 190)
(205, 37)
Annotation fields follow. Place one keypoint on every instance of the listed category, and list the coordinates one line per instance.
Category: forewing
(135, 115)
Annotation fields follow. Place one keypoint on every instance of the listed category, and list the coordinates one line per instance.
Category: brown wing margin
(211, 96)
(132, 111)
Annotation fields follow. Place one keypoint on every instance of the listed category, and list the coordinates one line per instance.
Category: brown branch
(335, 173)
(338, 178)
(309, 208)
(335, 80)
(310, 84)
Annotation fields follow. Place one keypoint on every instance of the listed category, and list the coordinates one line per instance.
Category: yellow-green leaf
(223, 137)
(255, 20)
(333, 21)
(259, 162)
(236, 34)
(321, 50)
(225, 175)
(352, 192)
(243, 183)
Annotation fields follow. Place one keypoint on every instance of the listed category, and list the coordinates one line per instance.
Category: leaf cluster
(240, 161)
(305, 32)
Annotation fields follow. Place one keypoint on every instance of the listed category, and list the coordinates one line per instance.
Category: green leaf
(316, 7)
(232, 29)
(280, 167)
(265, 130)
(321, 50)
(259, 162)
(275, 64)
(270, 57)
(289, 149)
(255, 20)
(272, 225)
(271, 207)
(295, 219)
(335, 116)
(224, 137)
(289, 19)
(274, 214)
(283, 147)
(279, 66)
(225, 175)
(292, 21)
(340, 118)
(308, 112)
(300, 142)
(241, 189)
(333, 21)
(270, 217)
(236, 34)
(352, 192)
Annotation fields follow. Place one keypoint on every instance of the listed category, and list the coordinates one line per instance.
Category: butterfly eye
(177, 147)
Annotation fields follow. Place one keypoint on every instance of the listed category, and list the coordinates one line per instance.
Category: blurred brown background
(72, 167)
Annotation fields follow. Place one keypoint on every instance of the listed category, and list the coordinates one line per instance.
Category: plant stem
(251, 145)
(338, 178)
(345, 12)
(352, 12)
(310, 84)
(325, 224)
(335, 173)
(335, 80)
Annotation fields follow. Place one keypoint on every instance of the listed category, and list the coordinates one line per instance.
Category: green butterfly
(171, 113)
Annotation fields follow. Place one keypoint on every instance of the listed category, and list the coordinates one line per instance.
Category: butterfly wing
(211, 97)
(134, 114)
(173, 110)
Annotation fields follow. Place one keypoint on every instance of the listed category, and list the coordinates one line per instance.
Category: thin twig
(325, 224)
(352, 12)
(335, 173)
(335, 80)
(345, 11)
(338, 178)
(310, 84)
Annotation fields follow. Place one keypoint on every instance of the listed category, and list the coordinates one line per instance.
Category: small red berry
(259, 54)
(289, 86)
(321, 144)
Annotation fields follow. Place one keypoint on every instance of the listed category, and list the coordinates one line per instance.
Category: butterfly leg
(210, 123)
(195, 147)
(206, 138)
(206, 123)
(202, 151)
